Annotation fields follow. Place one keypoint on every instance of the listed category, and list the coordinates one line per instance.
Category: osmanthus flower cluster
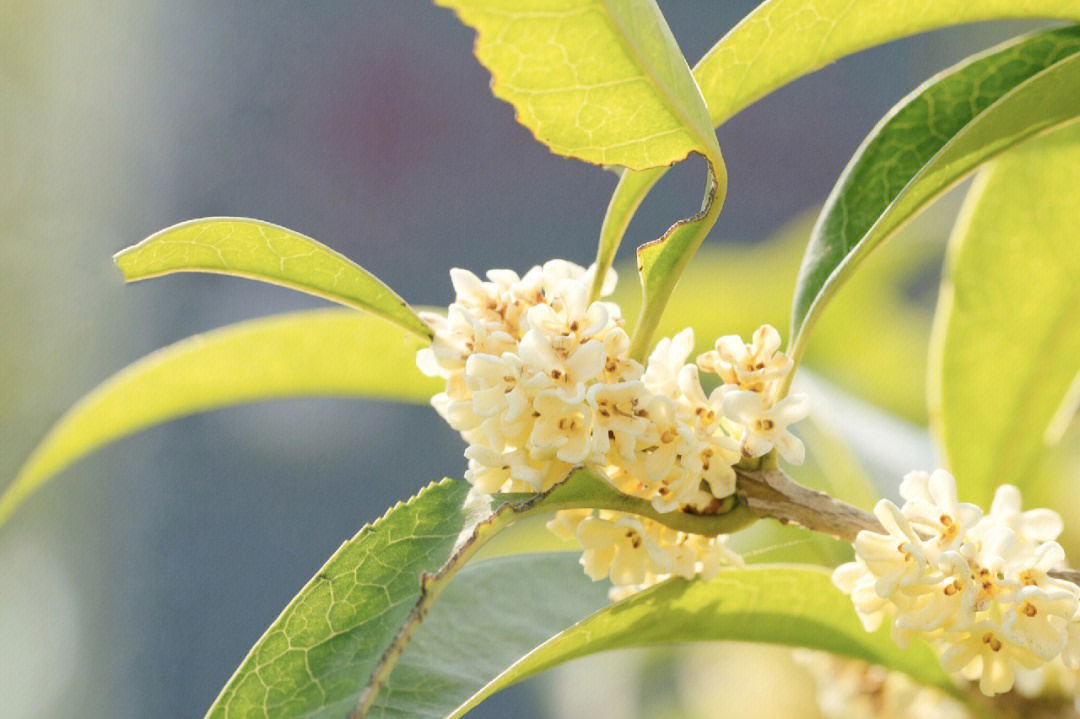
(539, 380)
(978, 587)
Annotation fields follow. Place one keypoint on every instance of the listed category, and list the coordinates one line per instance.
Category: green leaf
(326, 352)
(604, 81)
(1006, 347)
(262, 251)
(491, 615)
(783, 40)
(600, 80)
(794, 606)
(939, 134)
(315, 658)
(339, 641)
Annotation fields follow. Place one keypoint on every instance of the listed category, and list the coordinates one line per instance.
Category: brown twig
(771, 493)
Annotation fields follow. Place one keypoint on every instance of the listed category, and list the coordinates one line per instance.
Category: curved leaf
(662, 261)
(1009, 317)
(339, 642)
(315, 658)
(939, 134)
(260, 250)
(327, 352)
(783, 40)
(491, 615)
(794, 606)
(600, 80)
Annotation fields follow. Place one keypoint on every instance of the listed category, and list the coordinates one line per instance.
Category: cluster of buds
(539, 380)
(852, 689)
(978, 587)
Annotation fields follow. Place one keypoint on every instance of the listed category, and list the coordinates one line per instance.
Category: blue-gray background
(134, 585)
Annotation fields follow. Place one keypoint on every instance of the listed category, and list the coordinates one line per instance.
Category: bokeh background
(134, 585)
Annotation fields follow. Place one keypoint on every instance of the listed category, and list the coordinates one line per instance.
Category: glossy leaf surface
(930, 141)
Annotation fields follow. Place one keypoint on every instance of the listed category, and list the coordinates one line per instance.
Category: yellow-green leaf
(600, 80)
(1006, 344)
(260, 250)
(314, 353)
(794, 606)
(783, 40)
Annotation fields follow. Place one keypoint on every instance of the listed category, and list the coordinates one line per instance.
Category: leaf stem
(771, 493)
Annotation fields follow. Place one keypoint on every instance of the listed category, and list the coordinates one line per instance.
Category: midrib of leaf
(634, 186)
(707, 140)
(581, 490)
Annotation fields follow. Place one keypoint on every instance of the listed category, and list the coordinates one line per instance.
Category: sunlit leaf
(604, 81)
(315, 353)
(262, 251)
(783, 40)
(1007, 335)
(600, 80)
(934, 138)
(794, 606)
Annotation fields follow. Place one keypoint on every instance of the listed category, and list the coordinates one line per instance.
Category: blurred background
(135, 584)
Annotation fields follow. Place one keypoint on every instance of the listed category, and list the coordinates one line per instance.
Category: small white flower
(666, 361)
(617, 422)
(568, 373)
(567, 318)
(495, 385)
(1034, 525)
(663, 440)
(946, 603)
(932, 506)
(897, 559)
(1038, 619)
(619, 548)
(471, 291)
(618, 367)
(457, 412)
(753, 367)
(767, 428)
(855, 580)
(563, 429)
(985, 654)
